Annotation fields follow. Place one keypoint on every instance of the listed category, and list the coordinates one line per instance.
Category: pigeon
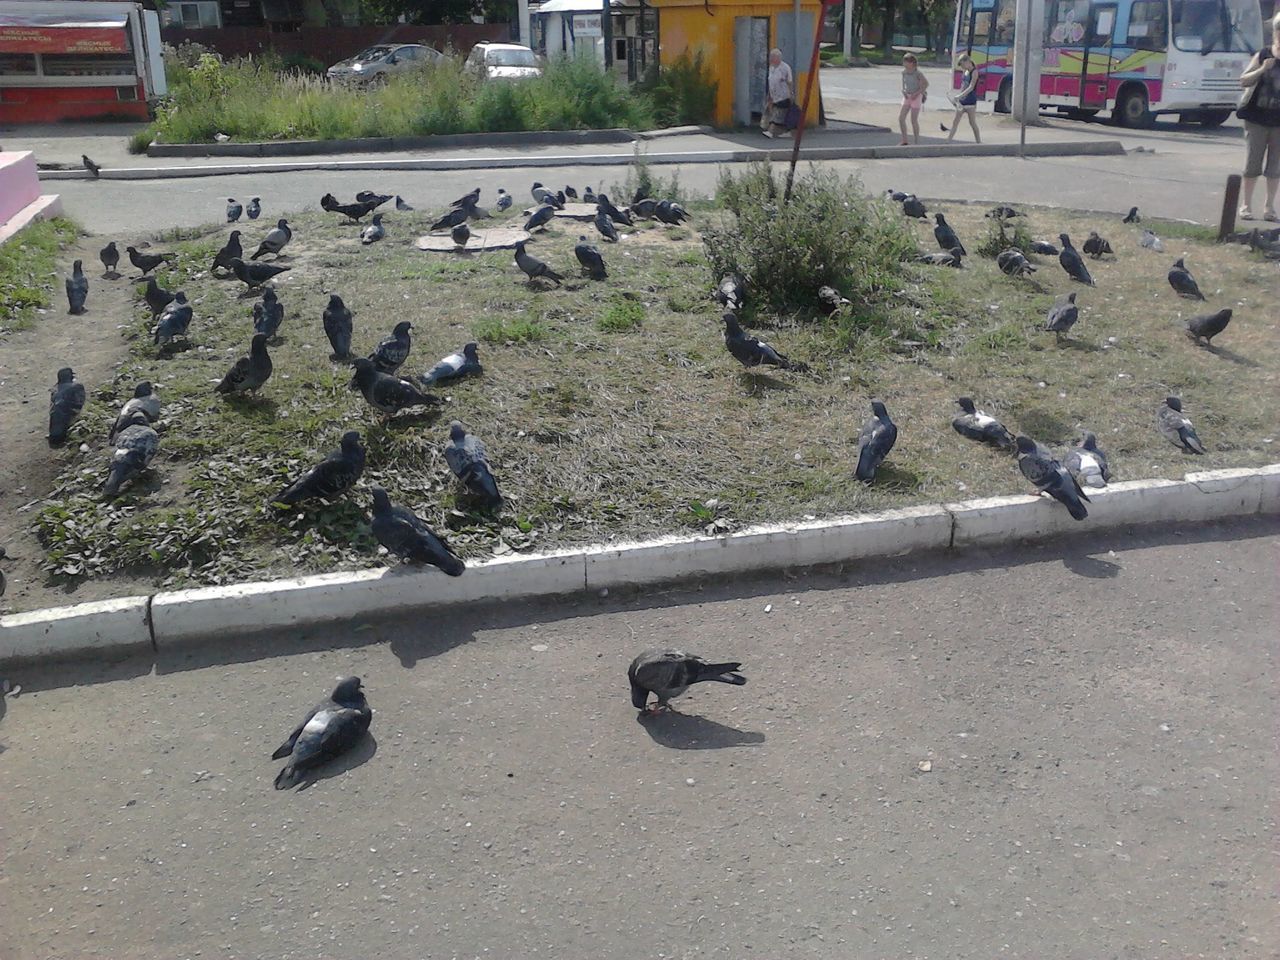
(978, 425)
(533, 267)
(1097, 247)
(829, 300)
(89, 165)
(1087, 463)
(570, 193)
(878, 436)
(174, 320)
(1062, 315)
(466, 200)
(540, 217)
(276, 239)
(589, 256)
(646, 207)
(542, 195)
(66, 400)
(461, 234)
(234, 210)
(352, 211)
(588, 195)
(669, 673)
(1072, 262)
(330, 478)
(1208, 325)
(408, 537)
(144, 403)
(77, 288)
(260, 322)
(952, 258)
(1132, 216)
(110, 258)
(751, 351)
(156, 296)
(401, 205)
(136, 446)
(368, 196)
(464, 363)
(504, 201)
(373, 232)
(912, 207)
(732, 292)
(946, 237)
(1049, 476)
(146, 262)
(1044, 248)
(605, 205)
(255, 274)
(272, 313)
(1183, 283)
(560, 195)
(230, 251)
(897, 196)
(1015, 264)
(604, 224)
(1002, 213)
(337, 327)
(391, 353)
(455, 216)
(332, 728)
(1151, 241)
(386, 393)
(3, 555)
(1176, 428)
(250, 372)
(254, 209)
(668, 211)
(466, 458)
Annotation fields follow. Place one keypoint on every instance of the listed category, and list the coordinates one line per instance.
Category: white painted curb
(171, 620)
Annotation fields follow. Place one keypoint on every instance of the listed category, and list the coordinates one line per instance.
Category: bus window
(1147, 28)
(1004, 22)
(1105, 23)
(1070, 18)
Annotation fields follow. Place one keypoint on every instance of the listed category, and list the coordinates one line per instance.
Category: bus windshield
(1216, 26)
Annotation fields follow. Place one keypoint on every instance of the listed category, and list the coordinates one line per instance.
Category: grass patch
(1002, 235)
(29, 276)
(506, 330)
(621, 316)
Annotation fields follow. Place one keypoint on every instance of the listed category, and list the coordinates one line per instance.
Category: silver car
(383, 60)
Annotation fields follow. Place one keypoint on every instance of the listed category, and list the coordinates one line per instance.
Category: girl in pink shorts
(915, 90)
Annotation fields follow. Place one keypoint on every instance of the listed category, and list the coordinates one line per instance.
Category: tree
(443, 11)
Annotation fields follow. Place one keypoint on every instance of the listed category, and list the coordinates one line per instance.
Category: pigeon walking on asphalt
(330, 478)
(1132, 216)
(234, 210)
(504, 201)
(387, 393)
(407, 536)
(829, 300)
(374, 231)
(255, 274)
(110, 258)
(146, 262)
(89, 165)
(174, 320)
(144, 402)
(1175, 426)
(275, 240)
(231, 250)
(1087, 463)
(1208, 325)
(254, 208)
(946, 237)
(878, 436)
(391, 352)
(77, 288)
(534, 268)
(1044, 248)
(1013, 263)
(1183, 283)
(337, 327)
(401, 205)
(1062, 316)
(464, 363)
(332, 728)
(951, 258)
(540, 218)
(1151, 242)
(135, 446)
(667, 674)
(250, 372)
(605, 225)
(979, 425)
(1049, 476)
(912, 207)
(66, 400)
(589, 256)
(460, 234)
(1072, 262)
(465, 455)
(732, 292)
(542, 195)
(1097, 247)
(156, 296)
(354, 212)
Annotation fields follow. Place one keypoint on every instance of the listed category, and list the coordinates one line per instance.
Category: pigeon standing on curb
(669, 673)
(391, 352)
(136, 446)
(464, 363)
(275, 240)
(1049, 476)
(89, 165)
(878, 436)
(1207, 326)
(978, 425)
(110, 257)
(386, 393)
(66, 400)
(1176, 427)
(144, 401)
(408, 537)
(77, 288)
(330, 478)
(1087, 463)
(337, 327)
(332, 728)
(465, 455)
(1183, 283)
(250, 372)
(589, 256)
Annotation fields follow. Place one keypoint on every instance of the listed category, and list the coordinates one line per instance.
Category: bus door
(1095, 58)
(973, 34)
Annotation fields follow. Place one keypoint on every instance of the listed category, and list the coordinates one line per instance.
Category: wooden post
(1230, 203)
(808, 90)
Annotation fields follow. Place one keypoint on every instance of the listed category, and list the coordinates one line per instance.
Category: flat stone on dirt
(495, 238)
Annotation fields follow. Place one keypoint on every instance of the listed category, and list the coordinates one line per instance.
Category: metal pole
(526, 34)
(1022, 60)
(848, 29)
(808, 91)
(606, 33)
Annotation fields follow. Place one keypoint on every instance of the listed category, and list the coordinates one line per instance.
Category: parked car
(383, 60)
(506, 61)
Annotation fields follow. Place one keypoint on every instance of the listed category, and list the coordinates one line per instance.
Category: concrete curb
(739, 155)
(172, 620)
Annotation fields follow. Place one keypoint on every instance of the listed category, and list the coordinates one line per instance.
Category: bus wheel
(1004, 99)
(1133, 108)
(1214, 118)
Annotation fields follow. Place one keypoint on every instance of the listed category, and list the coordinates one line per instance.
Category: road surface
(1095, 716)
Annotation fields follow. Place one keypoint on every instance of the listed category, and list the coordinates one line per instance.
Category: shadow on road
(687, 731)
(1092, 567)
(361, 755)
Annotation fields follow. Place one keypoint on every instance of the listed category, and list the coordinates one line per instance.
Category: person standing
(779, 95)
(1261, 116)
(967, 99)
(915, 90)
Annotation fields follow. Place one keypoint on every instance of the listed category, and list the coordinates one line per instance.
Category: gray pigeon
(66, 400)
(466, 200)
(670, 212)
(146, 262)
(374, 231)
(1014, 263)
(732, 292)
(1207, 326)
(1049, 476)
(1087, 463)
(77, 288)
(542, 195)
(669, 673)
(1071, 261)
(276, 239)
(455, 216)
(272, 314)
(603, 203)
(588, 195)
(156, 296)
(461, 234)
(589, 256)
(337, 327)
(144, 402)
(465, 455)
(386, 393)
(1062, 316)
(391, 353)
(1044, 248)
(254, 274)
(1096, 247)
(250, 372)
(1183, 283)
(540, 218)
(912, 207)
(946, 237)
(829, 300)
(534, 268)
(377, 199)
(605, 225)
(978, 425)
(464, 363)
(878, 436)
(110, 258)
(951, 258)
(254, 209)
(646, 207)
(401, 205)
(504, 201)
(408, 537)
(570, 193)
(1175, 427)
(752, 351)
(174, 320)
(230, 251)
(136, 446)
(332, 728)
(234, 210)
(331, 477)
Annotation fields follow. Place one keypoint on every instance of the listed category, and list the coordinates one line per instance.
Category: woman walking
(1261, 116)
(779, 95)
(915, 90)
(967, 99)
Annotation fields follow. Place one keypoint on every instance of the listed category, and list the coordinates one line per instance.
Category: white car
(503, 61)
(383, 60)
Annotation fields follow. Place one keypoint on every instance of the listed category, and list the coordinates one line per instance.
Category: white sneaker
(1246, 213)
(770, 134)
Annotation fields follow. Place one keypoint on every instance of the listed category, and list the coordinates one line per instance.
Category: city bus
(1135, 58)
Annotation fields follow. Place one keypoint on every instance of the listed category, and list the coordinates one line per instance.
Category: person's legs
(1247, 187)
(915, 123)
(955, 123)
(902, 121)
(1255, 138)
(1272, 171)
(973, 122)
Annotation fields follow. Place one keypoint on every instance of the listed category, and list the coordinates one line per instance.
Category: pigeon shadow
(1091, 567)
(688, 731)
(756, 382)
(261, 409)
(1043, 426)
(897, 478)
(1082, 346)
(424, 418)
(1231, 355)
(357, 756)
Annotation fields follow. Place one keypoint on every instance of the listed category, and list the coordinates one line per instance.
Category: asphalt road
(1096, 712)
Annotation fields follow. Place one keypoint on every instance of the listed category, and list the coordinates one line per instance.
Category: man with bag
(779, 97)
(1260, 111)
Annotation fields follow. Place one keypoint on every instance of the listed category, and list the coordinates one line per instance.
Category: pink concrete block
(19, 182)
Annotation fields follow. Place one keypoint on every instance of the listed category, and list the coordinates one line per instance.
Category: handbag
(793, 117)
(1245, 109)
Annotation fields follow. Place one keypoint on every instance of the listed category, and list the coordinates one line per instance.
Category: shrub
(641, 182)
(139, 142)
(682, 92)
(1005, 235)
